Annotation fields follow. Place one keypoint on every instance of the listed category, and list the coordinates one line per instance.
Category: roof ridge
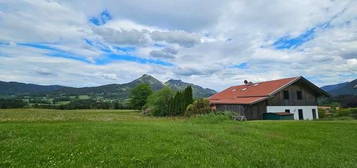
(281, 79)
(296, 77)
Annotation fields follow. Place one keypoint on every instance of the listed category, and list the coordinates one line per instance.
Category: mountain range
(117, 91)
(122, 91)
(345, 88)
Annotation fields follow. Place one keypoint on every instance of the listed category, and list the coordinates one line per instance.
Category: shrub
(200, 106)
(343, 112)
(230, 114)
(158, 103)
(353, 113)
(322, 113)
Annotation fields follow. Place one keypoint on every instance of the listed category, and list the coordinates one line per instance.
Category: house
(296, 96)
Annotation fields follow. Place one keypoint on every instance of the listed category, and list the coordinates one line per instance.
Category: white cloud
(140, 35)
(180, 37)
(44, 21)
(203, 40)
(164, 53)
(122, 37)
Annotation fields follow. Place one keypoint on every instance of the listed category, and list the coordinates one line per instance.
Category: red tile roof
(248, 94)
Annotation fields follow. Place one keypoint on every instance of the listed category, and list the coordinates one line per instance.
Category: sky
(215, 44)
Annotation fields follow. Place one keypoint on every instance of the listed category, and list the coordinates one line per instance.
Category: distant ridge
(345, 88)
(198, 91)
(115, 91)
(17, 88)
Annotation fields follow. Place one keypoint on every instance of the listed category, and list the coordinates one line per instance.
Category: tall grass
(212, 118)
(338, 114)
(113, 138)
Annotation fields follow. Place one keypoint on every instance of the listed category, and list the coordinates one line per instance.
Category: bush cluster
(200, 106)
(158, 103)
(342, 113)
(166, 102)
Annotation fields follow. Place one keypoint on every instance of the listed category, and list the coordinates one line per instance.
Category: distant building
(296, 96)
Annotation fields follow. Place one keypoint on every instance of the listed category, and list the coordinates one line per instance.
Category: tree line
(167, 102)
(12, 103)
(74, 104)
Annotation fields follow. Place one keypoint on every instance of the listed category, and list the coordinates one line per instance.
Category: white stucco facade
(307, 111)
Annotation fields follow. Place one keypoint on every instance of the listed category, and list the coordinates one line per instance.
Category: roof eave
(254, 102)
(319, 90)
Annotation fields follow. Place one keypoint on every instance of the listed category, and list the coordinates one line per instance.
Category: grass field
(113, 138)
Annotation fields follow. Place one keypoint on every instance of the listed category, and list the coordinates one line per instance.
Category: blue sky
(243, 65)
(103, 42)
(101, 19)
(289, 42)
(107, 55)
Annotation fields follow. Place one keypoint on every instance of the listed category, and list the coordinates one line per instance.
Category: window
(314, 114)
(299, 95)
(301, 114)
(287, 110)
(286, 95)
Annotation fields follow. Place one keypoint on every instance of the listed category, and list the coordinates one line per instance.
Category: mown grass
(112, 138)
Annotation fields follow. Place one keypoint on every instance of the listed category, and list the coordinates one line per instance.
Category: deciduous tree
(139, 95)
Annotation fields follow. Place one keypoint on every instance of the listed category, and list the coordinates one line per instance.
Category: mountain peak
(146, 75)
(150, 80)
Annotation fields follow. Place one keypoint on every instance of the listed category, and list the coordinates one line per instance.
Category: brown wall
(255, 111)
(252, 112)
(230, 107)
(308, 97)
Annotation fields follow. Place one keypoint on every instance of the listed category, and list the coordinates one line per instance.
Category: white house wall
(307, 111)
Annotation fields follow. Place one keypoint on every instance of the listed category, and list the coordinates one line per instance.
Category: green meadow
(123, 138)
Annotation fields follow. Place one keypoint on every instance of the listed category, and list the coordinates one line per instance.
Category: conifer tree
(188, 96)
(181, 103)
(178, 103)
(169, 109)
